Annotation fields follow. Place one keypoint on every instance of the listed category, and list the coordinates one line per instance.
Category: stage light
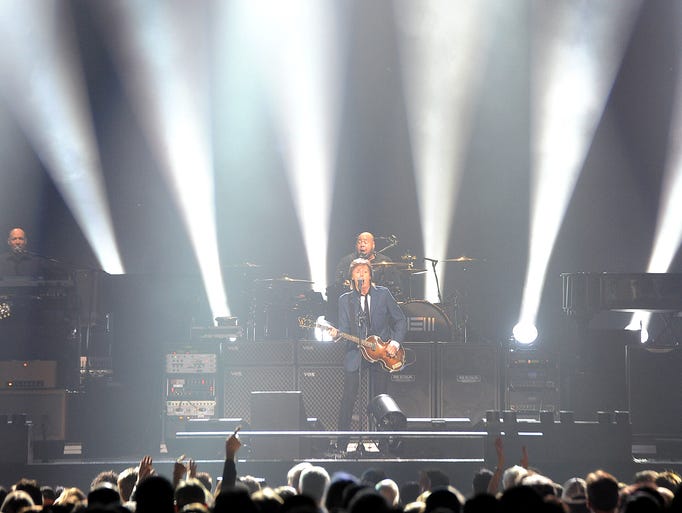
(42, 81)
(386, 414)
(525, 334)
(640, 322)
(444, 50)
(575, 57)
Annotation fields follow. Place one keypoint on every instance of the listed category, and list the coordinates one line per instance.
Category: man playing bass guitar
(364, 311)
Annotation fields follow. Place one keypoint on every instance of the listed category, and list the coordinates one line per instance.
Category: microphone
(358, 285)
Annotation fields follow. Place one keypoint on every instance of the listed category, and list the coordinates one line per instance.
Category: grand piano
(586, 294)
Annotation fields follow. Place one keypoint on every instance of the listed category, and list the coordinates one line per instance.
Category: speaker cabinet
(237, 354)
(598, 376)
(469, 380)
(413, 387)
(46, 409)
(240, 382)
(17, 374)
(322, 389)
(310, 352)
(277, 411)
(655, 390)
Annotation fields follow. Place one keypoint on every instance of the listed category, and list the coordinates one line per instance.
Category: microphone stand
(434, 263)
(393, 242)
(363, 333)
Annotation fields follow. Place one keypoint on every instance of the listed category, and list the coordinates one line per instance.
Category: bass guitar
(372, 348)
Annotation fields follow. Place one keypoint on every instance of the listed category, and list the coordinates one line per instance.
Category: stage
(558, 450)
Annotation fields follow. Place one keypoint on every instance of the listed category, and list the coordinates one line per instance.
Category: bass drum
(426, 322)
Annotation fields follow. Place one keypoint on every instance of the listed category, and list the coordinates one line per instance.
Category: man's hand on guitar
(333, 332)
(392, 348)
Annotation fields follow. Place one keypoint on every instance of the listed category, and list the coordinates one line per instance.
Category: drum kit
(276, 304)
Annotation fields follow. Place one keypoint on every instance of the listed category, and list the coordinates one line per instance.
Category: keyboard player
(18, 261)
(39, 303)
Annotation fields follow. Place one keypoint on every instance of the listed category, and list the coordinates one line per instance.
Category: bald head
(364, 244)
(17, 240)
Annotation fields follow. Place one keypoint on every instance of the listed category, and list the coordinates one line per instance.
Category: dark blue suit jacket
(387, 320)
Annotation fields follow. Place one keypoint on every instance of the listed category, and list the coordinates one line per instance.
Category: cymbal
(462, 259)
(389, 264)
(284, 279)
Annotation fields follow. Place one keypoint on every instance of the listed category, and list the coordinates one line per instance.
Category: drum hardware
(392, 242)
(276, 303)
(243, 265)
(434, 263)
(400, 265)
(461, 259)
(284, 279)
(414, 270)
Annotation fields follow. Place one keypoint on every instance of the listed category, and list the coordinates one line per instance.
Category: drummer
(387, 274)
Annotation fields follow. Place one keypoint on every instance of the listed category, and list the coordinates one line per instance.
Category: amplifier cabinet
(322, 389)
(413, 387)
(28, 374)
(655, 391)
(46, 409)
(240, 382)
(310, 352)
(266, 353)
(469, 380)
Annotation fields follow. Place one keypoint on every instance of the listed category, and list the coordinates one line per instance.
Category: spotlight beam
(302, 65)
(43, 84)
(668, 233)
(441, 45)
(168, 80)
(577, 51)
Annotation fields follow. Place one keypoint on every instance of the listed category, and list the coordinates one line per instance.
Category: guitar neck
(343, 334)
(350, 337)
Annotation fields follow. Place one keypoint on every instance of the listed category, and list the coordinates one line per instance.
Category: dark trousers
(378, 384)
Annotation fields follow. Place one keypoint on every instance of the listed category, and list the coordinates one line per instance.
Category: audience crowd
(308, 488)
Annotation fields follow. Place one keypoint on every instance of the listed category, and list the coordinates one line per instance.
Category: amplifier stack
(440, 380)
(532, 382)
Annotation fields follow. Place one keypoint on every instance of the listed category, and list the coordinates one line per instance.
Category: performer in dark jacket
(366, 310)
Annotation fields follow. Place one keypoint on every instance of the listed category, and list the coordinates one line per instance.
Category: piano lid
(585, 294)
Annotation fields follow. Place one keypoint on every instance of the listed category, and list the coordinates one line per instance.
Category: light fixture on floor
(387, 414)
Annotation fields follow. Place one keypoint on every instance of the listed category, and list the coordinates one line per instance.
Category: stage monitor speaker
(413, 387)
(240, 382)
(277, 411)
(322, 389)
(469, 375)
(46, 409)
(655, 391)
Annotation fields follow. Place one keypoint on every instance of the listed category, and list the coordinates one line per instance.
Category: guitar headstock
(306, 322)
(5, 310)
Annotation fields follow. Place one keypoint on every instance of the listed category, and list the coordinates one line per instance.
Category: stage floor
(558, 451)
